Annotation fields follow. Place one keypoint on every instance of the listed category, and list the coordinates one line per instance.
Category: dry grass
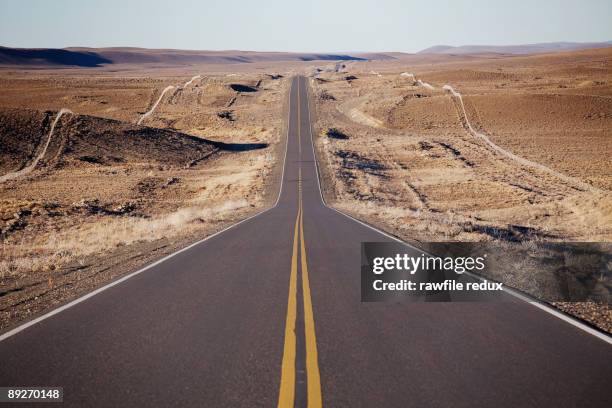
(68, 246)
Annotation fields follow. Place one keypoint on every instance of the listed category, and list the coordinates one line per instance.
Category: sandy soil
(108, 195)
(535, 165)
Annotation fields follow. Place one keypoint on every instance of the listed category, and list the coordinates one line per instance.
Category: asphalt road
(269, 313)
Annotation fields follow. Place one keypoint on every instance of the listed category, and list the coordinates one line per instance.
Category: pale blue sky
(315, 25)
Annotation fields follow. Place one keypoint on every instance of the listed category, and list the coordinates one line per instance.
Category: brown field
(411, 156)
(407, 161)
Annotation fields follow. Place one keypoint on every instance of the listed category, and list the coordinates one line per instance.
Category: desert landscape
(103, 173)
(107, 167)
(514, 149)
(337, 204)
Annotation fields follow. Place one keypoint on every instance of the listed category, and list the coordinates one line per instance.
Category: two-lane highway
(268, 313)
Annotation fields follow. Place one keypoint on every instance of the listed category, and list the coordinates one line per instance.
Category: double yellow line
(286, 397)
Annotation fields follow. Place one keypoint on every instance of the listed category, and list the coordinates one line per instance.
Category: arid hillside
(543, 166)
(78, 139)
(102, 174)
(513, 149)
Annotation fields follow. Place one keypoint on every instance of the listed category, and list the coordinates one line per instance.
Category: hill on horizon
(97, 57)
(514, 49)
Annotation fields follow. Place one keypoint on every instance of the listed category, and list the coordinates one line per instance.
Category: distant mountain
(47, 56)
(379, 56)
(514, 49)
(95, 57)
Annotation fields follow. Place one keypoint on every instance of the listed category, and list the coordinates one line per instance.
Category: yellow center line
(286, 397)
(312, 359)
(298, 121)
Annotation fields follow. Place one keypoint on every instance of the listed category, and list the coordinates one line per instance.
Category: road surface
(213, 327)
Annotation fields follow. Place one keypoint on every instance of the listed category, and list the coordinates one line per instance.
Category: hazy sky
(315, 25)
